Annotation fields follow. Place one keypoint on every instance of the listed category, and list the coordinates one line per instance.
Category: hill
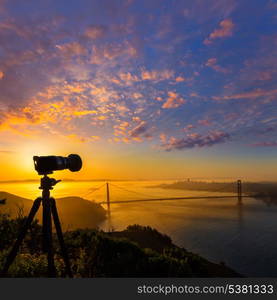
(149, 238)
(74, 212)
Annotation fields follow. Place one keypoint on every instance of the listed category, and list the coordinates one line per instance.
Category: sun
(25, 153)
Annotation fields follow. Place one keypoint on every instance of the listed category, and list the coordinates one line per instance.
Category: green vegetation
(135, 252)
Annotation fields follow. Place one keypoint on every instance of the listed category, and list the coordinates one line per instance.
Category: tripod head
(47, 183)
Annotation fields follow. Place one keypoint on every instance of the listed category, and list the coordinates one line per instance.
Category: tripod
(49, 209)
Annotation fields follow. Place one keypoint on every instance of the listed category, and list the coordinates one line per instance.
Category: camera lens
(48, 164)
(74, 162)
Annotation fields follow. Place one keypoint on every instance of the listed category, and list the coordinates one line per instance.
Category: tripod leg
(47, 235)
(60, 237)
(21, 236)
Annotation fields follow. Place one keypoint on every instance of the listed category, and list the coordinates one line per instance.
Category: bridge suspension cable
(92, 190)
(130, 191)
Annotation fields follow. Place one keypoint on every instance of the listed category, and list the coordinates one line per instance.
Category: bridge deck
(172, 198)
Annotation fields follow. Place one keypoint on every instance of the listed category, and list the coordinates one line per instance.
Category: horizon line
(137, 179)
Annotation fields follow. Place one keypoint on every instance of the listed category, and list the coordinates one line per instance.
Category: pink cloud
(212, 63)
(173, 100)
(147, 75)
(128, 78)
(261, 67)
(138, 130)
(249, 95)
(113, 51)
(71, 49)
(156, 75)
(163, 137)
(196, 140)
(205, 122)
(179, 79)
(121, 128)
(264, 75)
(95, 32)
(188, 127)
(265, 144)
(225, 29)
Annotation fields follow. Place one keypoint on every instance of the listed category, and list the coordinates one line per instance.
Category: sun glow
(18, 164)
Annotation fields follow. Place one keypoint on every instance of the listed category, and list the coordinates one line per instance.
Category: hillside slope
(149, 238)
(74, 212)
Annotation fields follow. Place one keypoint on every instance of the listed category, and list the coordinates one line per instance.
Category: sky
(141, 89)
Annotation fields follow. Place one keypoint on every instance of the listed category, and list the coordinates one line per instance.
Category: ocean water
(219, 229)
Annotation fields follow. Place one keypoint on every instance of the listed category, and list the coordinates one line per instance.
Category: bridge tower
(108, 206)
(239, 189)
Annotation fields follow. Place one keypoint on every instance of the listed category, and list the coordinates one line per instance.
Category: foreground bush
(136, 252)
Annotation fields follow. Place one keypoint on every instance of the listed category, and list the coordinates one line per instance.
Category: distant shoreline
(254, 189)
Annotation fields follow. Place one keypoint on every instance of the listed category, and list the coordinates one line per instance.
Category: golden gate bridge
(237, 195)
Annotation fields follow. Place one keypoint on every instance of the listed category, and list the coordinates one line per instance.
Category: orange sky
(114, 161)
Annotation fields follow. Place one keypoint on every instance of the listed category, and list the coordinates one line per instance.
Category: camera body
(47, 164)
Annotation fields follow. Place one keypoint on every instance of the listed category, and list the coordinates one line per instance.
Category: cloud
(83, 139)
(113, 51)
(146, 75)
(156, 75)
(59, 106)
(264, 75)
(265, 144)
(212, 63)
(188, 128)
(225, 29)
(30, 48)
(84, 112)
(128, 78)
(249, 95)
(173, 101)
(196, 140)
(205, 122)
(121, 128)
(163, 138)
(77, 138)
(6, 152)
(137, 95)
(138, 130)
(72, 49)
(123, 133)
(95, 31)
(261, 67)
(179, 79)
(266, 130)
